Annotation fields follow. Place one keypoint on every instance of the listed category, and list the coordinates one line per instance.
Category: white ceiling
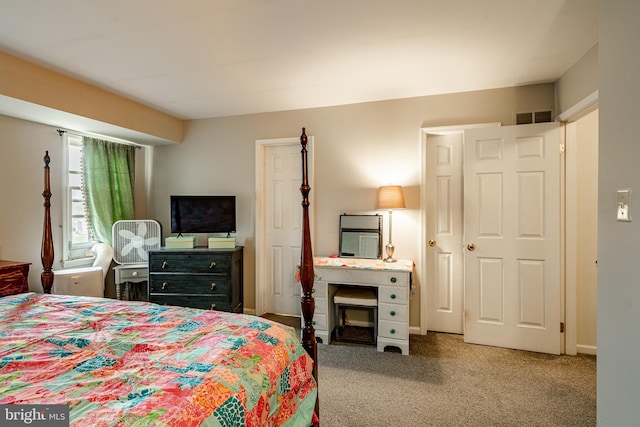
(210, 58)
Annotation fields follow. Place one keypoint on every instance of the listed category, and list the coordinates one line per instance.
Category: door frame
(573, 114)
(260, 229)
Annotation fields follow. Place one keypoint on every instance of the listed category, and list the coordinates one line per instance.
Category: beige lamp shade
(390, 197)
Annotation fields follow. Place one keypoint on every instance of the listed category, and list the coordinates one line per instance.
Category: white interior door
(512, 235)
(444, 233)
(283, 228)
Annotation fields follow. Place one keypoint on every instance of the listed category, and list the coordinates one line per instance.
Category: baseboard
(250, 311)
(587, 349)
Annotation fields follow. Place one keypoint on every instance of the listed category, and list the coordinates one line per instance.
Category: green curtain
(108, 173)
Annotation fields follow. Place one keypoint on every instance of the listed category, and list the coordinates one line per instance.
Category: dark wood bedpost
(306, 268)
(47, 252)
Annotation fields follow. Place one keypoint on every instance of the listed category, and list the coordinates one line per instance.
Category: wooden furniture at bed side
(14, 277)
(392, 282)
(47, 252)
(307, 303)
(200, 278)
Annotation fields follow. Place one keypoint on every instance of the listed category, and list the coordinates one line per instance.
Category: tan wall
(23, 145)
(580, 81)
(24, 81)
(357, 148)
(618, 242)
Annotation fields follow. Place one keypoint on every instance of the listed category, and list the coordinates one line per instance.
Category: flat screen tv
(203, 214)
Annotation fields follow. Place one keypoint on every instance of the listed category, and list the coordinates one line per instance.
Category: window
(77, 234)
(99, 182)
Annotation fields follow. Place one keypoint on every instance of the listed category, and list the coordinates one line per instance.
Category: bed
(123, 363)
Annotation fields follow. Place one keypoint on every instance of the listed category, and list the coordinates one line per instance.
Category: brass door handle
(432, 243)
(471, 247)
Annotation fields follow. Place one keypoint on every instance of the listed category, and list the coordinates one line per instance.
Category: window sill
(78, 262)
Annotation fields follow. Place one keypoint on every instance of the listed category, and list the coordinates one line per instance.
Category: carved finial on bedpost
(47, 252)
(306, 267)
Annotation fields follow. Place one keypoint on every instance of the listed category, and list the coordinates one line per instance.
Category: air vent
(542, 116)
(534, 117)
(524, 118)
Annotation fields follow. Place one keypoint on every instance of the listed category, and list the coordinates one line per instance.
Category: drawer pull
(213, 285)
(393, 313)
(392, 296)
(134, 274)
(165, 265)
(392, 331)
(394, 280)
(165, 286)
(213, 306)
(212, 265)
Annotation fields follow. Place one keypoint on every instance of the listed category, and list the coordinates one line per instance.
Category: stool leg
(338, 322)
(375, 325)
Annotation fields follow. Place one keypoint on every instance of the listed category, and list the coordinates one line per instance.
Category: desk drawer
(319, 322)
(395, 330)
(131, 274)
(363, 277)
(319, 289)
(321, 306)
(393, 312)
(393, 295)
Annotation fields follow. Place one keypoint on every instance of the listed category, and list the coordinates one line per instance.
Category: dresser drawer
(393, 312)
(363, 277)
(395, 330)
(13, 278)
(220, 303)
(189, 284)
(189, 263)
(393, 295)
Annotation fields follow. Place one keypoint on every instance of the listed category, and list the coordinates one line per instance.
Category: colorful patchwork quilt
(123, 363)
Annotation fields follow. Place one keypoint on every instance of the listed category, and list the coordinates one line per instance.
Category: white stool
(359, 298)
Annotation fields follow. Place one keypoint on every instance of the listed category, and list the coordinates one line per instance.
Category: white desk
(393, 283)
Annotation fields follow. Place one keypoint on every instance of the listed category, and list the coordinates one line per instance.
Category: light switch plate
(624, 205)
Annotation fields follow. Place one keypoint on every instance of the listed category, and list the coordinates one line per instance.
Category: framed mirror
(360, 236)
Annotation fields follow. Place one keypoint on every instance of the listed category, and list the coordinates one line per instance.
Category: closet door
(444, 223)
(512, 237)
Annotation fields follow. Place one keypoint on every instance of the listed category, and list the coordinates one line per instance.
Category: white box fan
(132, 240)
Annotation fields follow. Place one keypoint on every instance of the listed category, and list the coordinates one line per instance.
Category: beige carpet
(445, 382)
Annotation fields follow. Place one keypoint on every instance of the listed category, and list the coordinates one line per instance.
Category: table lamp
(390, 197)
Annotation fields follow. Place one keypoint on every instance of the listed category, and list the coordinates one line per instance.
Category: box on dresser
(200, 278)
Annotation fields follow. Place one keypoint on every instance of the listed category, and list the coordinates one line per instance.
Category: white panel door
(283, 221)
(444, 233)
(512, 237)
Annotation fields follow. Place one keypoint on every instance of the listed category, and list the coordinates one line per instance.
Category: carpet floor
(446, 382)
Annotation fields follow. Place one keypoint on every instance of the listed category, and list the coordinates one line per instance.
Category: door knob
(432, 243)
(471, 246)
